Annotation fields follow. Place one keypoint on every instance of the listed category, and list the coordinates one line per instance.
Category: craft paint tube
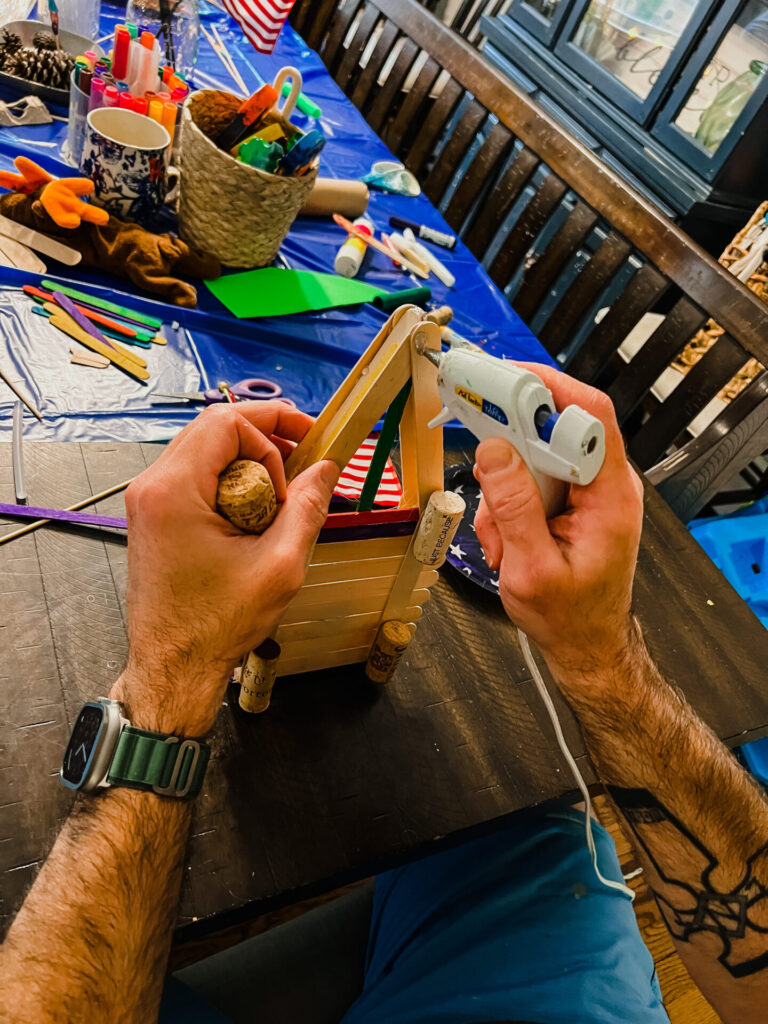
(350, 256)
(422, 231)
(97, 94)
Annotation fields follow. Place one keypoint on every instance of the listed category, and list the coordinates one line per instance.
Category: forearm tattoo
(692, 900)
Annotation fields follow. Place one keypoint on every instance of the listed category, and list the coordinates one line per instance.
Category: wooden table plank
(339, 778)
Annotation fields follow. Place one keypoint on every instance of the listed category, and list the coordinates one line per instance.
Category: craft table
(339, 778)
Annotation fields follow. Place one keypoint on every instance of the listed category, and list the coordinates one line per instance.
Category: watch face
(81, 744)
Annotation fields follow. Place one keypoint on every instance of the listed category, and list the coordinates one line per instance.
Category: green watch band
(167, 765)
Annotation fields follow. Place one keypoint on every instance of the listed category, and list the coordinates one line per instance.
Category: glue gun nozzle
(430, 354)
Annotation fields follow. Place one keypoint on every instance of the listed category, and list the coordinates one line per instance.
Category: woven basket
(233, 211)
(704, 339)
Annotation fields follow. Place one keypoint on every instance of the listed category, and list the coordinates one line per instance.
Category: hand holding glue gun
(499, 398)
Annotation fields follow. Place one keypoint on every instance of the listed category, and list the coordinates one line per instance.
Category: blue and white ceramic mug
(125, 155)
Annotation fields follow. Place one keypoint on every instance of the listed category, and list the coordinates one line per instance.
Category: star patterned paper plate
(466, 554)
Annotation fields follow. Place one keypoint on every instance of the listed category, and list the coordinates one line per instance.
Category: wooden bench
(560, 232)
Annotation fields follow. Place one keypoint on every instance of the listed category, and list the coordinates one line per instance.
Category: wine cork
(246, 496)
(391, 641)
(437, 527)
(257, 677)
(336, 195)
(440, 316)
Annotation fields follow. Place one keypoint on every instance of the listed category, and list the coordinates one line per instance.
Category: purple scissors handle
(253, 389)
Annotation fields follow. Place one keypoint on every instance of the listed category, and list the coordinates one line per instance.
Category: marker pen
(139, 104)
(156, 110)
(111, 96)
(86, 76)
(422, 231)
(91, 57)
(97, 94)
(170, 113)
(126, 101)
(120, 53)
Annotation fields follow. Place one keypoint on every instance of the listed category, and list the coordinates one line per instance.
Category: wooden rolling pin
(246, 497)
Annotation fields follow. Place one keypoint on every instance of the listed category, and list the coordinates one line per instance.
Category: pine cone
(10, 44)
(44, 41)
(47, 67)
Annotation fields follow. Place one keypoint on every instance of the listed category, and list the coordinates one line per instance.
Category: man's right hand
(567, 581)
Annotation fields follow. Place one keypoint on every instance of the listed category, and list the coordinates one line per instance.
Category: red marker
(120, 53)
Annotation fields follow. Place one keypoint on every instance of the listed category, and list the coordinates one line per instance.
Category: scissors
(253, 389)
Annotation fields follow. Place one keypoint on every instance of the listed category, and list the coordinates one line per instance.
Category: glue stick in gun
(496, 398)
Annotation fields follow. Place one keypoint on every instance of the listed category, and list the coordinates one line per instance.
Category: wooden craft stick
(118, 357)
(72, 508)
(438, 527)
(257, 677)
(21, 397)
(62, 316)
(85, 359)
(388, 648)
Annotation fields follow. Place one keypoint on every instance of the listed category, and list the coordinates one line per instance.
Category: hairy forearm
(92, 939)
(698, 821)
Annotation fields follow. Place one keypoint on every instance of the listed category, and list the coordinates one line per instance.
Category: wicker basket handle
(283, 75)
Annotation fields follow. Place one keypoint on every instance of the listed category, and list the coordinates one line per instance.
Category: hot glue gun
(496, 398)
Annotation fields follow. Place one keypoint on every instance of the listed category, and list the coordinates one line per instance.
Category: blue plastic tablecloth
(307, 354)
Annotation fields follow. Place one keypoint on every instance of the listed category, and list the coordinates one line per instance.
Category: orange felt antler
(61, 203)
(30, 179)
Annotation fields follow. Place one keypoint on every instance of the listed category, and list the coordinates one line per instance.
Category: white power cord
(547, 701)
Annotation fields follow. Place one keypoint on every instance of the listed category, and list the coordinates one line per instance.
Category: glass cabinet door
(542, 18)
(629, 49)
(718, 86)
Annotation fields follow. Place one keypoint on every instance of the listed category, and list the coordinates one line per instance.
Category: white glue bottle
(350, 256)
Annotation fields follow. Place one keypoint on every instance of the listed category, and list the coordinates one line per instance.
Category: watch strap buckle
(173, 788)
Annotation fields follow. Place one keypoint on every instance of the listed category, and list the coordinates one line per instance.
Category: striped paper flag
(260, 20)
(352, 478)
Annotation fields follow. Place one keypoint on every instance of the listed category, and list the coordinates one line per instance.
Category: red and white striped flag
(353, 477)
(260, 20)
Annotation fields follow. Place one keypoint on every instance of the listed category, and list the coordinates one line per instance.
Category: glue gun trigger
(444, 416)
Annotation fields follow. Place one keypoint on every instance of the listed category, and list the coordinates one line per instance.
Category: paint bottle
(350, 256)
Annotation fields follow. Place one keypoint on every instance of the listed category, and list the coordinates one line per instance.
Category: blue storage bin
(738, 545)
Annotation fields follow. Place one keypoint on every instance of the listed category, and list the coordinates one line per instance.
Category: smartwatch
(106, 750)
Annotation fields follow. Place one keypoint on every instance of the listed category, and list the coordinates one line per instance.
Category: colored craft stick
(82, 321)
(91, 500)
(124, 360)
(121, 331)
(382, 449)
(48, 309)
(84, 518)
(110, 307)
(377, 517)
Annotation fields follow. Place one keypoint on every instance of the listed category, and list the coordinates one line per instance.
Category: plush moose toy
(54, 207)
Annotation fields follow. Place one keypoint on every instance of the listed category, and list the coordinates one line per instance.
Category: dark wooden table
(339, 778)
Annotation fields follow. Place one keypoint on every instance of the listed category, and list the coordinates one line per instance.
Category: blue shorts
(514, 926)
(511, 927)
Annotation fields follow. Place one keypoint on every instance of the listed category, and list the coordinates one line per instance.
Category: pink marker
(97, 94)
(91, 57)
(111, 96)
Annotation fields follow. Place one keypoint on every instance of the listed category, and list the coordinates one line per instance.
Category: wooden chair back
(558, 230)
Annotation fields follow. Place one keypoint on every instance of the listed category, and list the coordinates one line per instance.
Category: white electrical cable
(547, 701)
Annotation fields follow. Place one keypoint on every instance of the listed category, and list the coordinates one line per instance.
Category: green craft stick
(382, 449)
(108, 307)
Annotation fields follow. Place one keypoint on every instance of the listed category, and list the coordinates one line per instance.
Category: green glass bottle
(720, 116)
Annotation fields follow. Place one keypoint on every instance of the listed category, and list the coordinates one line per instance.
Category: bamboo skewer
(221, 52)
(72, 508)
(22, 398)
